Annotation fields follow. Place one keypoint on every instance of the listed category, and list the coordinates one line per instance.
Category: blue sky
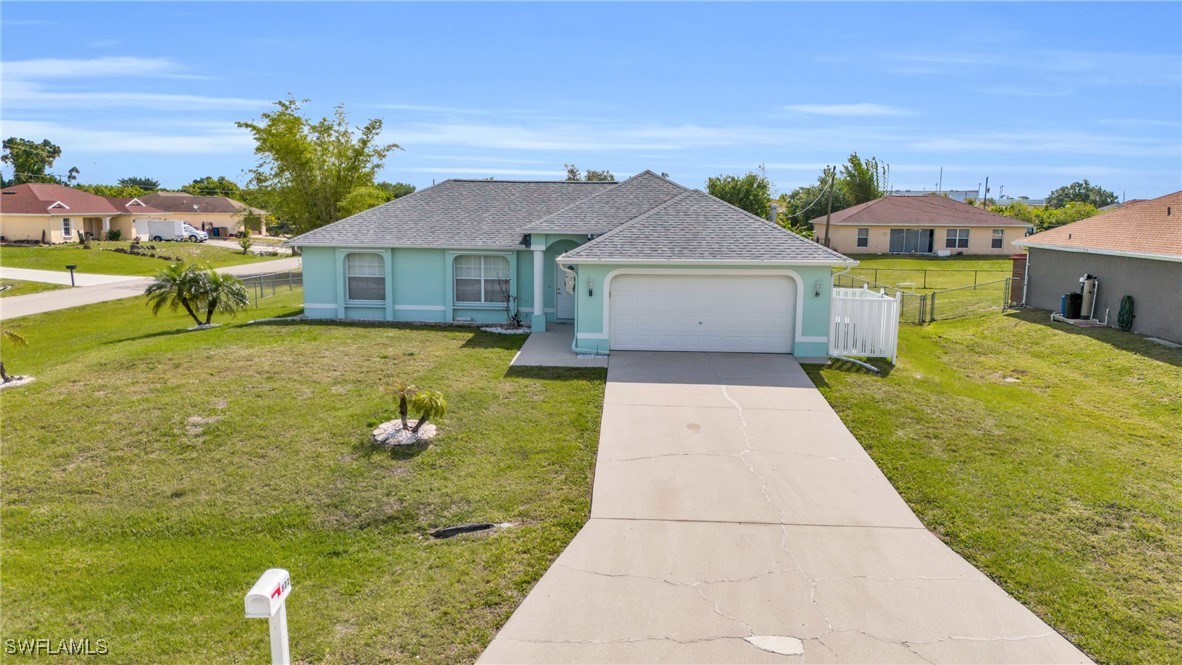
(1032, 95)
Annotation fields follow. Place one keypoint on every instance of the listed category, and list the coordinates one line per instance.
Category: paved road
(119, 287)
(735, 519)
(60, 277)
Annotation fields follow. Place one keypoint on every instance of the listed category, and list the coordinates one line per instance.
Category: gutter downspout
(1026, 277)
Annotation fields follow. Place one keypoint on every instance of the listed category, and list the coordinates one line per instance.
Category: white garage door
(742, 313)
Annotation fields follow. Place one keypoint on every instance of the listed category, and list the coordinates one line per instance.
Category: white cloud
(1049, 142)
(220, 140)
(483, 171)
(848, 110)
(31, 96)
(107, 67)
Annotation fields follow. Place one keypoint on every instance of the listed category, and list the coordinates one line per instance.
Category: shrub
(114, 235)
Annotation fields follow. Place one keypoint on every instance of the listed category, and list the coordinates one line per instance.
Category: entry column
(538, 320)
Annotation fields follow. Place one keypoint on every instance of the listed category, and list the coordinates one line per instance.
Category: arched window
(365, 277)
(482, 279)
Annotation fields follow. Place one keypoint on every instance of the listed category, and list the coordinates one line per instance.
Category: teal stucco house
(641, 264)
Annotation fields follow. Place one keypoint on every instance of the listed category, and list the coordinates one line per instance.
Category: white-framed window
(365, 277)
(864, 237)
(67, 229)
(999, 237)
(481, 278)
(957, 239)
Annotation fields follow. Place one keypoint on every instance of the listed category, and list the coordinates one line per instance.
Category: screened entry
(911, 241)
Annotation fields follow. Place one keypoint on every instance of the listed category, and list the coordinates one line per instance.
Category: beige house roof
(1146, 229)
(928, 211)
(185, 202)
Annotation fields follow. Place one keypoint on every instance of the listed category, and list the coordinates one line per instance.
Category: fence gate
(864, 323)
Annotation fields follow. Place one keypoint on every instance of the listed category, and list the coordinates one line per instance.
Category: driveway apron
(736, 520)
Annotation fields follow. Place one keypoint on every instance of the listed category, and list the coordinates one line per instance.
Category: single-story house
(219, 215)
(1135, 250)
(57, 214)
(642, 264)
(930, 224)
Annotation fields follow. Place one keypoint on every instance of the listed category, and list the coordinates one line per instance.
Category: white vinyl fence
(865, 323)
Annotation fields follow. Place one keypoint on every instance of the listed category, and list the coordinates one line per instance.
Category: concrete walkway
(116, 287)
(62, 277)
(736, 520)
(552, 349)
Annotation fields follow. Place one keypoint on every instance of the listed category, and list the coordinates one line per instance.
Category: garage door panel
(748, 313)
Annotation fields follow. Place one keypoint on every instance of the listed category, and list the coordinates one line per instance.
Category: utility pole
(940, 185)
(985, 197)
(829, 213)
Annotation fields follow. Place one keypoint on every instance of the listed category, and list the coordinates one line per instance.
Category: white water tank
(1090, 284)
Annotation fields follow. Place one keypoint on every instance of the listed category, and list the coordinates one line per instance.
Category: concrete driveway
(736, 520)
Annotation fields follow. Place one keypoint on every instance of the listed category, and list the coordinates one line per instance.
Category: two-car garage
(750, 313)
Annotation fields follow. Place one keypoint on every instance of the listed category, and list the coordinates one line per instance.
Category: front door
(564, 303)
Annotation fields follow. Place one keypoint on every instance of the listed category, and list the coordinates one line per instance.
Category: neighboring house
(1135, 250)
(929, 224)
(642, 264)
(220, 215)
(57, 214)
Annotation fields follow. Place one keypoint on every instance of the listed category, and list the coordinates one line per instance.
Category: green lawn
(101, 260)
(21, 287)
(1065, 485)
(150, 475)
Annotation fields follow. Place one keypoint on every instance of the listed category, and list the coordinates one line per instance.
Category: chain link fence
(919, 306)
(272, 283)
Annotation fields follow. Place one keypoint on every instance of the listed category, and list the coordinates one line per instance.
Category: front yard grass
(20, 287)
(151, 475)
(100, 260)
(1065, 485)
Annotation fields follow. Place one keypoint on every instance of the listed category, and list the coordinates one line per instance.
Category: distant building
(954, 194)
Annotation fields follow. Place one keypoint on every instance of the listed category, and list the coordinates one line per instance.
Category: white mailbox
(266, 600)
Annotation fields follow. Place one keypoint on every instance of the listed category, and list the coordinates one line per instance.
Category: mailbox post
(266, 600)
(71, 268)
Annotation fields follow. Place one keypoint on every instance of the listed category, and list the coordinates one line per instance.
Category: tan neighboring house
(57, 214)
(931, 224)
(219, 215)
(1134, 250)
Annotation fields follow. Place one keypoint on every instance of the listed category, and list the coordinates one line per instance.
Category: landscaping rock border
(18, 381)
(390, 433)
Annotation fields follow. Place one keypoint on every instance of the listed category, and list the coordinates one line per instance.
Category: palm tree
(404, 391)
(176, 286)
(224, 293)
(16, 340)
(431, 404)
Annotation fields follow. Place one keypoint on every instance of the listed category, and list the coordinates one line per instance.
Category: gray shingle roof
(611, 207)
(695, 226)
(456, 213)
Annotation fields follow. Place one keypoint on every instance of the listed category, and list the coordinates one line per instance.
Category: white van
(168, 229)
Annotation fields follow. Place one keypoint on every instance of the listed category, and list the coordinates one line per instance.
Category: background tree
(1082, 192)
(31, 161)
(309, 167)
(117, 191)
(808, 202)
(573, 174)
(395, 190)
(143, 182)
(360, 200)
(751, 192)
(1047, 218)
(862, 180)
(211, 186)
(244, 240)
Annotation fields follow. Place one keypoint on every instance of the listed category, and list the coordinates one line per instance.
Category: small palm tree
(16, 340)
(176, 286)
(431, 404)
(224, 293)
(404, 391)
